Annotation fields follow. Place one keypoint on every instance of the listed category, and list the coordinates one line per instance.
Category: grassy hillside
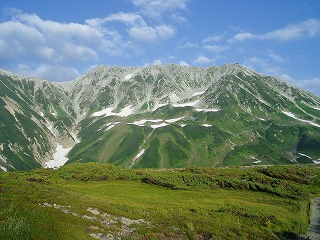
(87, 201)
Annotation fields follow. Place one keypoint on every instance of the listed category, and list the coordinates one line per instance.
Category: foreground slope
(158, 117)
(98, 201)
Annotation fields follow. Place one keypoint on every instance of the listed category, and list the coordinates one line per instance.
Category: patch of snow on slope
(206, 125)
(316, 108)
(174, 120)
(75, 137)
(2, 159)
(207, 110)
(144, 121)
(159, 125)
(106, 111)
(258, 161)
(128, 76)
(299, 119)
(111, 126)
(304, 155)
(3, 168)
(59, 157)
(109, 112)
(158, 105)
(197, 94)
(174, 98)
(136, 157)
(188, 104)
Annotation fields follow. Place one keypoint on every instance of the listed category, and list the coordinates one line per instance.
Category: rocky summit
(164, 116)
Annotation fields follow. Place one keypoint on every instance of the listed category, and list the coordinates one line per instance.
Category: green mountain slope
(166, 116)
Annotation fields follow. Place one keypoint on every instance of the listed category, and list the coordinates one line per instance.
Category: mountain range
(164, 116)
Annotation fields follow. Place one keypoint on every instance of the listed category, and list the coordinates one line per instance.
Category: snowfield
(3, 168)
(207, 110)
(128, 110)
(159, 125)
(136, 157)
(142, 122)
(129, 76)
(197, 94)
(188, 104)
(173, 120)
(59, 157)
(299, 119)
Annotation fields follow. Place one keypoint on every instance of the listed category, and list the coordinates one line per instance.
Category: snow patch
(258, 161)
(207, 110)
(183, 125)
(111, 126)
(59, 157)
(129, 76)
(304, 155)
(174, 120)
(188, 104)
(174, 98)
(144, 121)
(197, 93)
(159, 105)
(159, 125)
(301, 120)
(316, 108)
(128, 110)
(2, 159)
(136, 157)
(75, 137)
(206, 125)
(3, 169)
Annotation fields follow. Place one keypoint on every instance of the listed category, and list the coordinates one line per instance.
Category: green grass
(192, 203)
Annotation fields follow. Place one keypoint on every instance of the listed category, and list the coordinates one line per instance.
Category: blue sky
(60, 40)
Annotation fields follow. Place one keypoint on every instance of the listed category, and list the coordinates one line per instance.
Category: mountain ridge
(162, 107)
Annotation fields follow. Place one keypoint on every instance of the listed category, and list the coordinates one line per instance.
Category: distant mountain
(158, 117)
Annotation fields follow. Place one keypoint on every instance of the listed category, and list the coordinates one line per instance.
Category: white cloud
(306, 29)
(309, 28)
(29, 40)
(157, 8)
(149, 34)
(183, 63)
(202, 60)
(242, 37)
(189, 45)
(157, 62)
(213, 38)
(137, 28)
(216, 48)
(312, 85)
(54, 73)
(275, 57)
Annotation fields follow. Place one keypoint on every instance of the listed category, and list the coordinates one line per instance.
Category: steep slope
(34, 117)
(158, 117)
